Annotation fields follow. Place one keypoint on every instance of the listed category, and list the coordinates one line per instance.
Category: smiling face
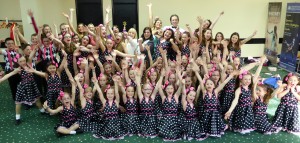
(46, 41)
(88, 94)
(147, 34)
(191, 96)
(64, 28)
(102, 80)
(119, 37)
(47, 30)
(51, 69)
(185, 37)
(131, 74)
(260, 91)
(109, 44)
(188, 81)
(67, 38)
(158, 24)
(207, 34)
(153, 76)
(215, 76)
(236, 61)
(209, 85)
(116, 29)
(85, 40)
(27, 51)
(206, 23)
(170, 90)
(147, 90)
(172, 78)
(22, 61)
(75, 39)
(81, 77)
(174, 21)
(132, 33)
(167, 34)
(229, 69)
(110, 94)
(246, 80)
(130, 92)
(108, 69)
(219, 37)
(34, 39)
(234, 39)
(80, 28)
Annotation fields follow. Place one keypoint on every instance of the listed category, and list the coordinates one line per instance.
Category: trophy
(124, 25)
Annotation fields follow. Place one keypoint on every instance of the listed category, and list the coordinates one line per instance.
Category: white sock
(42, 110)
(72, 132)
(18, 116)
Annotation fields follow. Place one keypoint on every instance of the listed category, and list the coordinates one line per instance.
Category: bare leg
(18, 108)
(38, 103)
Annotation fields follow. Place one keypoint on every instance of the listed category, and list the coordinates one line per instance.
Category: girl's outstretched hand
(227, 115)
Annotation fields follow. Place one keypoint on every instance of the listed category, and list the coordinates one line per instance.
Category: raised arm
(183, 98)
(216, 20)
(52, 112)
(150, 15)
(221, 86)
(149, 55)
(98, 63)
(200, 21)
(174, 46)
(64, 61)
(100, 94)
(138, 86)
(248, 38)
(234, 103)
(81, 92)
(262, 60)
(70, 23)
(30, 13)
(21, 37)
(159, 87)
(42, 74)
(5, 77)
(116, 89)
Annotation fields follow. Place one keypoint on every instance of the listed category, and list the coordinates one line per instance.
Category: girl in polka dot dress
(87, 118)
(27, 90)
(68, 115)
(169, 126)
(261, 96)
(242, 117)
(287, 115)
(53, 80)
(211, 118)
(131, 120)
(112, 127)
(148, 120)
(192, 127)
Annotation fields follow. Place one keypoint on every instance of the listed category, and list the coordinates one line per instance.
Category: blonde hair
(133, 31)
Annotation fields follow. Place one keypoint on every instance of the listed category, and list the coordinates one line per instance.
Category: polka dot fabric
(131, 119)
(148, 126)
(54, 87)
(27, 91)
(287, 114)
(242, 118)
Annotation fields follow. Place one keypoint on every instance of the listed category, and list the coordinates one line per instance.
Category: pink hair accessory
(101, 75)
(190, 89)
(151, 71)
(260, 83)
(85, 86)
(127, 85)
(288, 76)
(242, 74)
(79, 61)
(107, 88)
(56, 65)
(61, 95)
(119, 74)
(81, 71)
(151, 85)
(166, 84)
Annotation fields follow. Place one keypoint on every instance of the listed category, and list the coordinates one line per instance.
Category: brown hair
(268, 94)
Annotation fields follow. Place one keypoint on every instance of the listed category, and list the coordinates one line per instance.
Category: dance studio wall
(243, 16)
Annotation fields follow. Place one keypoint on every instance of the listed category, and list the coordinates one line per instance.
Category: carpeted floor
(39, 128)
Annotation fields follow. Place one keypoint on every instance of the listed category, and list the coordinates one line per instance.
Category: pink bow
(85, 86)
(119, 74)
(56, 65)
(242, 74)
(190, 89)
(288, 76)
(107, 88)
(127, 85)
(81, 71)
(61, 95)
(150, 71)
(166, 84)
(79, 61)
(133, 67)
(101, 74)
(260, 83)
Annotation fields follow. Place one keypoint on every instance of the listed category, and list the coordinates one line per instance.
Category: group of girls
(169, 83)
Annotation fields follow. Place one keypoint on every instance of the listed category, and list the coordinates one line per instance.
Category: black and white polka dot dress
(227, 95)
(192, 127)
(54, 88)
(64, 77)
(185, 51)
(166, 45)
(212, 121)
(68, 117)
(242, 117)
(112, 126)
(148, 126)
(87, 119)
(261, 119)
(169, 127)
(287, 114)
(131, 118)
(27, 90)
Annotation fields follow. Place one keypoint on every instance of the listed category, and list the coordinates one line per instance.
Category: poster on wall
(273, 23)
(291, 38)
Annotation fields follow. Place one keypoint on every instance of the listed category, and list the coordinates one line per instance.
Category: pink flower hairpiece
(260, 83)
(119, 74)
(242, 74)
(166, 84)
(288, 76)
(127, 85)
(101, 75)
(190, 89)
(85, 86)
(151, 71)
(107, 88)
(61, 95)
(79, 61)
(56, 65)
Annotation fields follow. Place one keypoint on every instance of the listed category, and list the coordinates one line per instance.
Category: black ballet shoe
(43, 113)
(18, 122)
(27, 107)
(79, 131)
